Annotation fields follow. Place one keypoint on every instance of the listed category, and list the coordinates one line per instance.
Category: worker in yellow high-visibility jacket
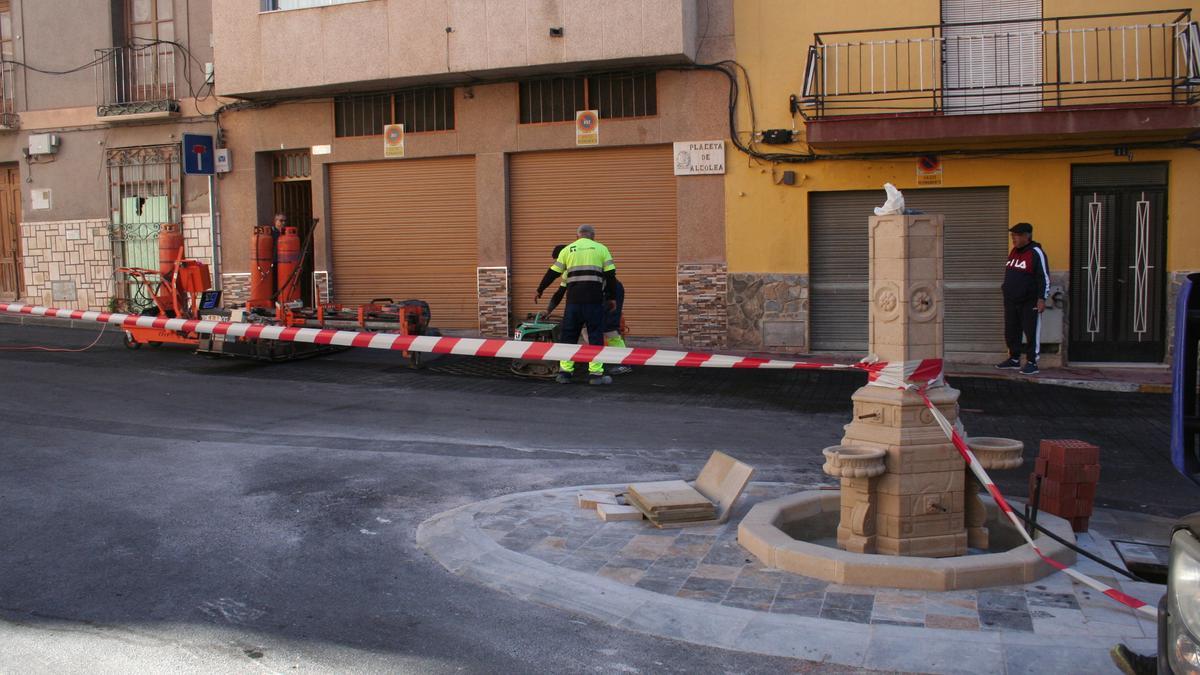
(591, 275)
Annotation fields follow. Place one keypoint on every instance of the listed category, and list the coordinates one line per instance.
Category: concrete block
(942, 546)
(982, 571)
(589, 499)
(896, 573)
(828, 567)
(616, 512)
(763, 542)
(722, 481)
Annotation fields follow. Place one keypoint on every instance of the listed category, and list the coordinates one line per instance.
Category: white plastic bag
(894, 203)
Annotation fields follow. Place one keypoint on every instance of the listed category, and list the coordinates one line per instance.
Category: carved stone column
(919, 498)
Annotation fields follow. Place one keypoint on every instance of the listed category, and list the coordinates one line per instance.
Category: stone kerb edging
(454, 541)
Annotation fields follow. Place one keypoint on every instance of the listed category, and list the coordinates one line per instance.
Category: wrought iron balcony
(136, 79)
(1126, 59)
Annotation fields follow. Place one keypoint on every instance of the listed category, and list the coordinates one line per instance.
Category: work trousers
(575, 317)
(1021, 319)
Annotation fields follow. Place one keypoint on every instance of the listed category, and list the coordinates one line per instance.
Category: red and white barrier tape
(912, 375)
(977, 469)
(509, 349)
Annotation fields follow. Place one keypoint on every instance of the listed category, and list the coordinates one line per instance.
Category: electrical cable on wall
(735, 72)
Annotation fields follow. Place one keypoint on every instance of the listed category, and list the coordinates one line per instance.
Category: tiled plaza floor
(707, 564)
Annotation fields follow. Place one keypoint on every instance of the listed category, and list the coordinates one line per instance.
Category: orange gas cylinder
(262, 267)
(287, 252)
(170, 241)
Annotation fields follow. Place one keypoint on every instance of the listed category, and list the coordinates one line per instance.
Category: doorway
(292, 186)
(10, 233)
(1118, 255)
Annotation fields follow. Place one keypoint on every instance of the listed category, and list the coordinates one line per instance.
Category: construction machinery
(177, 289)
(537, 327)
(181, 288)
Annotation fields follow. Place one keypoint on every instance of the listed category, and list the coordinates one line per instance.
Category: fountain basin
(785, 533)
(996, 453)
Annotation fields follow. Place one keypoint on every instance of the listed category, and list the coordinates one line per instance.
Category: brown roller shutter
(406, 229)
(974, 251)
(628, 194)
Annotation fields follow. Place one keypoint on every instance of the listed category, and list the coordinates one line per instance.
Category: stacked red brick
(1069, 470)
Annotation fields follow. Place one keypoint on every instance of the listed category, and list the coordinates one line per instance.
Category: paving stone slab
(702, 587)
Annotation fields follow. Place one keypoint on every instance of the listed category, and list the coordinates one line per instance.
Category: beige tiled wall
(76, 251)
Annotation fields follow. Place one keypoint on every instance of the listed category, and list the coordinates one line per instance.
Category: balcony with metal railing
(136, 80)
(1026, 77)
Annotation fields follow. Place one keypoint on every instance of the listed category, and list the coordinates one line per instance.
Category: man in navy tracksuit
(1026, 287)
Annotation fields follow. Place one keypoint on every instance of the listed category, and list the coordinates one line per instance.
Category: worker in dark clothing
(1026, 287)
(562, 286)
(614, 324)
(591, 276)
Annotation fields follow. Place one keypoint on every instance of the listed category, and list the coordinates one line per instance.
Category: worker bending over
(591, 277)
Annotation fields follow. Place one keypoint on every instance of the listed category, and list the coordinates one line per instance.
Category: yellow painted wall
(766, 223)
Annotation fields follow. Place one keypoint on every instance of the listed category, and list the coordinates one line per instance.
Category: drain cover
(1148, 561)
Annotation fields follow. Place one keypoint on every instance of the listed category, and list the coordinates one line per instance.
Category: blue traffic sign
(198, 155)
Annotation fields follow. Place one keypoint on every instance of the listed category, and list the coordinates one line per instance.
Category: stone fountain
(908, 511)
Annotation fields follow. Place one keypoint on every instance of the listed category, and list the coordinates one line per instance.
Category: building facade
(1078, 117)
(94, 99)
(493, 172)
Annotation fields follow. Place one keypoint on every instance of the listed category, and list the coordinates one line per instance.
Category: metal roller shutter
(628, 194)
(406, 229)
(975, 247)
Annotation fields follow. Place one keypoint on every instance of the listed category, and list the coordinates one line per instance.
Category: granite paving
(706, 563)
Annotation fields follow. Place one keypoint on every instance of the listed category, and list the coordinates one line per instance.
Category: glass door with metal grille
(292, 188)
(144, 187)
(1118, 249)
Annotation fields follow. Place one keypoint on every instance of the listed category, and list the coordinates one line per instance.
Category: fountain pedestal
(918, 502)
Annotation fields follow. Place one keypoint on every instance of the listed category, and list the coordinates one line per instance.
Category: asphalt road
(163, 510)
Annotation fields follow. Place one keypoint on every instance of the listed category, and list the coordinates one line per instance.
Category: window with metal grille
(613, 94)
(623, 94)
(552, 100)
(424, 109)
(427, 109)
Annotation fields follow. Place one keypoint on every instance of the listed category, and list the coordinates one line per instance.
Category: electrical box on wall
(39, 199)
(223, 160)
(43, 144)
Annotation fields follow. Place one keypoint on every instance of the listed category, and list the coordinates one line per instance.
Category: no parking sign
(587, 127)
(393, 140)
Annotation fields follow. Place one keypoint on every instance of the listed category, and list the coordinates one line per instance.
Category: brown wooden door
(10, 233)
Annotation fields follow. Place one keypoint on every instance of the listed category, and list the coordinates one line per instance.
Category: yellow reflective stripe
(558, 267)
